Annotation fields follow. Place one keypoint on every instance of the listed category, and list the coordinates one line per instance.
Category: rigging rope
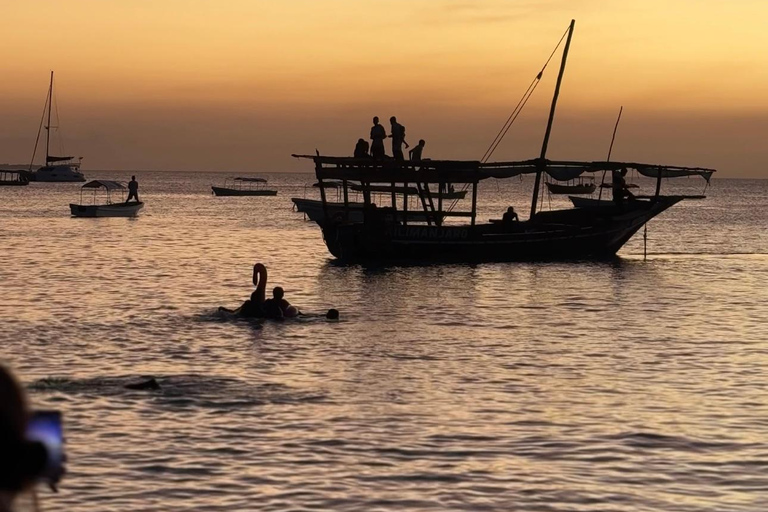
(519, 107)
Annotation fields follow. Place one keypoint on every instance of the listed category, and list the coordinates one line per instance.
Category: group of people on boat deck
(378, 134)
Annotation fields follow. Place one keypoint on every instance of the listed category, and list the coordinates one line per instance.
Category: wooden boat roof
(107, 184)
(470, 171)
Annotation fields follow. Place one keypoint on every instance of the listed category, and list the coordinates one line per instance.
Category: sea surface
(630, 385)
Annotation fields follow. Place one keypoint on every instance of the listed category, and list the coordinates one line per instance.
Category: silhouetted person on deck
(361, 149)
(133, 190)
(415, 153)
(619, 188)
(398, 139)
(378, 134)
(510, 217)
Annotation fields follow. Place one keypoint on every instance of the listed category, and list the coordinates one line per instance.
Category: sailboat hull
(58, 174)
(561, 235)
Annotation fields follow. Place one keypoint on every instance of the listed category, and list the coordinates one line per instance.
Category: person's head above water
(332, 314)
(375, 119)
(278, 292)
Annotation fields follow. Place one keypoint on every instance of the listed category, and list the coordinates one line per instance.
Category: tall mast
(48, 128)
(541, 165)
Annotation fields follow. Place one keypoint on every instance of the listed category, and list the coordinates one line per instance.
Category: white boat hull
(106, 210)
(58, 173)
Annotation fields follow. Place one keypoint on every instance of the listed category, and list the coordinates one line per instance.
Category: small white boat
(109, 208)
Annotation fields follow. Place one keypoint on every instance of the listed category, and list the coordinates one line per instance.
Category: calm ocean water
(624, 386)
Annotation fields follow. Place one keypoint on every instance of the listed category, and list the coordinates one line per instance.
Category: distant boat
(108, 208)
(579, 188)
(13, 179)
(244, 187)
(56, 168)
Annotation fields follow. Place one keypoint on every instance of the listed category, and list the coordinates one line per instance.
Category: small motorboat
(244, 187)
(577, 188)
(108, 208)
(13, 179)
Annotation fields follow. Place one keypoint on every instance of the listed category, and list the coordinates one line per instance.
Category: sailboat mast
(48, 128)
(541, 165)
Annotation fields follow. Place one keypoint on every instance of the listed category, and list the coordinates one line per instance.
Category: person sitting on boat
(398, 139)
(133, 190)
(620, 188)
(415, 153)
(378, 134)
(510, 217)
(361, 149)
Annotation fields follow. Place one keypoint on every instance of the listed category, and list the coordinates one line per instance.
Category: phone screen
(45, 427)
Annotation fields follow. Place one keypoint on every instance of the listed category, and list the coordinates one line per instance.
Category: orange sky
(241, 84)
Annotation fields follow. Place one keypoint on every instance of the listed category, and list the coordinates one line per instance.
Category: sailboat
(56, 168)
(591, 230)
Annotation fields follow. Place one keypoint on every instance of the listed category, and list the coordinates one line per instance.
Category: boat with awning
(387, 231)
(244, 186)
(103, 203)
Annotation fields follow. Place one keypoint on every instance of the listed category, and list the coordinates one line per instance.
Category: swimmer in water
(277, 307)
(258, 306)
(253, 307)
(332, 314)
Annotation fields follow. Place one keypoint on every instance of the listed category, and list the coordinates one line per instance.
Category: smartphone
(46, 427)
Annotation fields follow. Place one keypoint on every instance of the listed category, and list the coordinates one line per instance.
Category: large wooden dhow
(593, 229)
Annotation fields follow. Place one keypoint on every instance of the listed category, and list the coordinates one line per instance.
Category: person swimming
(277, 307)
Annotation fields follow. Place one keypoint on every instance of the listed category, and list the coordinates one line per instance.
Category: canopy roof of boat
(107, 184)
(255, 180)
(469, 171)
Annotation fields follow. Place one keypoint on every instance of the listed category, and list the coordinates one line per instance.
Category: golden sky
(241, 84)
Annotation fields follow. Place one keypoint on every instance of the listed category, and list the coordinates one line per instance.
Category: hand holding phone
(46, 428)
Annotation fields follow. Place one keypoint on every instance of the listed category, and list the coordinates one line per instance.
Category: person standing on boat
(133, 190)
(415, 153)
(398, 139)
(378, 134)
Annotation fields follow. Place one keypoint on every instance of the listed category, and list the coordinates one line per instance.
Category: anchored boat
(56, 168)
(107, 208)
(13, 179)
(387, 232)
(244, 187)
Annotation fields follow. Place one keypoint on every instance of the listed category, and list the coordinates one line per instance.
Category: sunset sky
(241, 84)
